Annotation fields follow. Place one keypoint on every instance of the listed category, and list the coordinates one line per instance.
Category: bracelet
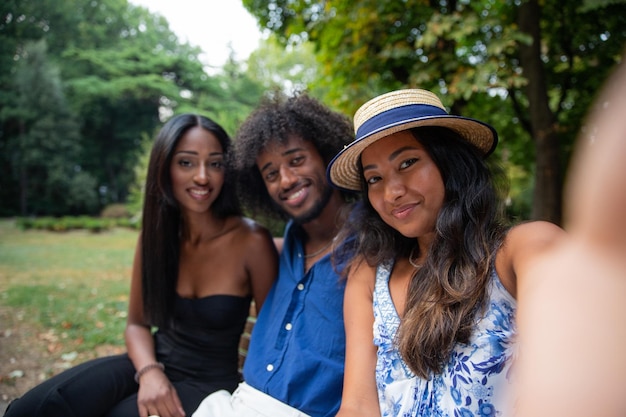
(146, 368)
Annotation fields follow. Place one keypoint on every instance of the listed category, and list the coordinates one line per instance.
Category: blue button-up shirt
(297, 347)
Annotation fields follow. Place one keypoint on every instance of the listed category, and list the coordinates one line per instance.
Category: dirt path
(29, 355)
(23, 357)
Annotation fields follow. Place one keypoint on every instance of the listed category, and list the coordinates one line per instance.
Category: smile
(295, 195)
(199, 193)
(403, 211)
(296, 198)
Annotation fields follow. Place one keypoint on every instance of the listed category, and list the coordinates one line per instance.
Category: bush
(115, 211)
(67, 223)
(132, 223)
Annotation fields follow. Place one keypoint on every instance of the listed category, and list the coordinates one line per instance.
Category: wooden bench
(245, 336)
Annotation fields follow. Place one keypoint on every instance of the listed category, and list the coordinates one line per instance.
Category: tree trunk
(23, 173)
(547, 199)
(23, 192)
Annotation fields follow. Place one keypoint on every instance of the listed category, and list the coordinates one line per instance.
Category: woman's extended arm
(571, 321)
(360, 397)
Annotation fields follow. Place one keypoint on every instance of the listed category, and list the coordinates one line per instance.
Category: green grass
(72, 285)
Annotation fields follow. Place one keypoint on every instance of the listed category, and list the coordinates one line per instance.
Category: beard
(319, 206)
(314, 212)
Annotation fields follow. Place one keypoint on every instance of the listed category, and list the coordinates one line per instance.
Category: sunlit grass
(73, 285)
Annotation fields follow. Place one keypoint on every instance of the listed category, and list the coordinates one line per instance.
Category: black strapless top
(202, 340)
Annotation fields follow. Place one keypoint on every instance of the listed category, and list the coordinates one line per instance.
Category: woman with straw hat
(437, 272)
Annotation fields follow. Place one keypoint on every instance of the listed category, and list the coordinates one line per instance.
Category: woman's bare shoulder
(251, 232)
(536, 235)
(361, 271)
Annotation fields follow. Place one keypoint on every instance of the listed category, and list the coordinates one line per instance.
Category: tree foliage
(119, 72)
(46, 139)
(531, 67)
(291, 68)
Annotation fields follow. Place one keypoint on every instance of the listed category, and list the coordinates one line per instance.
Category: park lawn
(71, 286)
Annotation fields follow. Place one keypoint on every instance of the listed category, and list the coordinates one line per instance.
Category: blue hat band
(396, 116)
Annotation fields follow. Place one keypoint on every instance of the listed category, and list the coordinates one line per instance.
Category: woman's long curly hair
(444, 295)
(274, 122)
(162, 221)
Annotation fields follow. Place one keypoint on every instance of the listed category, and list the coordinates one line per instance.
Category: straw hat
(396, 111)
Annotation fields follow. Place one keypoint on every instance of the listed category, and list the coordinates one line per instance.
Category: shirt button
(300, 286)
(269, 367)
(288, 326)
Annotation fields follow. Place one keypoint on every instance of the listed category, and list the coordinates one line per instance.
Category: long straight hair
(162, 220)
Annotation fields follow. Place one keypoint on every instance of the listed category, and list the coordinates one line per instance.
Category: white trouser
(246, 401)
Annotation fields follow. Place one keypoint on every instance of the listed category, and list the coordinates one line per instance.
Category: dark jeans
(103, 387)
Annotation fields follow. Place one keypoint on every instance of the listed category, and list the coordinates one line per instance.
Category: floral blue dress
(476, 380)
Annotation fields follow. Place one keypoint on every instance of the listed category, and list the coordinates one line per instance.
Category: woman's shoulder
(361, 271)
(525, 240)
(538, 233)
(523, 245)
(249, 230)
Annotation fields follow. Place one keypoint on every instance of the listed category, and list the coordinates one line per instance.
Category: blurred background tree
(46, 139)
(81, 82)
